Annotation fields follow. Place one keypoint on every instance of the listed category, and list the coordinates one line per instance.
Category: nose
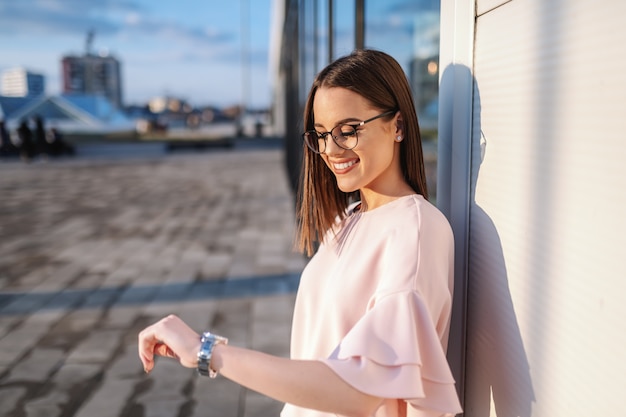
(331, 146)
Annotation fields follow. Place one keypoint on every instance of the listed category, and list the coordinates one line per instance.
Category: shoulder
(411, 215)
(417, 247)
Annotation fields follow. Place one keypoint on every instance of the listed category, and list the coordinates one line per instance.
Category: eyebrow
(342, 121)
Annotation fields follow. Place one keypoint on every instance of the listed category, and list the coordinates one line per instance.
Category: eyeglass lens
(344, 135)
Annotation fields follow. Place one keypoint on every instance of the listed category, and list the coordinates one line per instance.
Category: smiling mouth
(344, 165)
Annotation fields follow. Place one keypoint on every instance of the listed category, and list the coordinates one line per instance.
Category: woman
(372, 313)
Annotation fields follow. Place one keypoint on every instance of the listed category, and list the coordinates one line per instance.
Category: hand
(169, 337)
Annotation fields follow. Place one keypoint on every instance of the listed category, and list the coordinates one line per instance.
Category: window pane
(343, 19)
(409, 31)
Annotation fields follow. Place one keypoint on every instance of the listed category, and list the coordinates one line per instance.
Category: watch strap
(208, 343)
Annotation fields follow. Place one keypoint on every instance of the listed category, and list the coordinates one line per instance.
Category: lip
(343, 166)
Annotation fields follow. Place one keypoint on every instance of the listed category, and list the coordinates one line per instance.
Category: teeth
(345, 165)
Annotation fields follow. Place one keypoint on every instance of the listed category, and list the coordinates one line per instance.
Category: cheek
(325, 159)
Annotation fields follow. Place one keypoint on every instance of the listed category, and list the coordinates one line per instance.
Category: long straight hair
(378, 78)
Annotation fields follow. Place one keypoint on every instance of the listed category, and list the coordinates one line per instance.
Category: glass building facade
(315, 32)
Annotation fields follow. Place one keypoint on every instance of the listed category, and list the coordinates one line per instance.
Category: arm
(309, 384)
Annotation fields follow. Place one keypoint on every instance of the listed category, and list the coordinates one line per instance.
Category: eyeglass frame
(354, 126)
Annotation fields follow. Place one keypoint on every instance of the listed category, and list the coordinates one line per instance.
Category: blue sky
(185, 48)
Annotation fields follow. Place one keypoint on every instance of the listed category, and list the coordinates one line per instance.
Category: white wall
(546, 235)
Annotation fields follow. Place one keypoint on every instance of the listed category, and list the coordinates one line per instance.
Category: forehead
(335, 104)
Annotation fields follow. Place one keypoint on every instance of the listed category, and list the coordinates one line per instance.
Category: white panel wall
(546, 319)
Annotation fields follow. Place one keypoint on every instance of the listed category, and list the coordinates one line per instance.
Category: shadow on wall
(497, 367)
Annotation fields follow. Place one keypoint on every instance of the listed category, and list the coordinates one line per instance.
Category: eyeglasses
(344, 135)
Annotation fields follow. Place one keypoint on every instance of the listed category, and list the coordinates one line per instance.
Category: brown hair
(378, 78)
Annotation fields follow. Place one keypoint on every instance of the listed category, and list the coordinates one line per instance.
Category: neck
(371, 199)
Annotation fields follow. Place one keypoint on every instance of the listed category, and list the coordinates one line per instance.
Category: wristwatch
(209, 341)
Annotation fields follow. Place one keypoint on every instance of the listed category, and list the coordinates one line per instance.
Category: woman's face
(373, 166)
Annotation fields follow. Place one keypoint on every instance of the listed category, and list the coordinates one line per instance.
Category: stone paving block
(226, 241)
(9, 398)
(295, 263)
(37, 365)
(49, 405)
(104, 248)
(127, 365)
(270, 328)
(71, 227)
(45, 318)
(273, 243)
(104, 266)
(258, 405)
(77, 250)
(79, 321)
(61, 277)
(42, 410)
(17, 342)
(33, 278)
(88, 281)
(164, 408)
(194, 253)
(271, 264)
(108, 250)
(73, 374)
(215, 265)
(242, 268)
(121, 316)
(183, 272)
(127, 218)
(9, 246)
(216, 397)
(109, 400)
(274, 309)
(151, 276)
(232, 320)
(97, 348)
(157, 310)
(9, 322)
(144, 251)
(199, 314)
(169, 380)
(123, 274)
(167, 258)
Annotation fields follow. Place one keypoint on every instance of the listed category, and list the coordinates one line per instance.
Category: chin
(346, 188)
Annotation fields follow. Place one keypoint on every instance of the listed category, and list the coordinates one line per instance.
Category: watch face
(206, 349)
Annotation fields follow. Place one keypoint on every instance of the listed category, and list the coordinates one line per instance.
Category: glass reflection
(409, 31)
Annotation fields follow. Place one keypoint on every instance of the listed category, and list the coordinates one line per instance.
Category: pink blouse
(374, 305)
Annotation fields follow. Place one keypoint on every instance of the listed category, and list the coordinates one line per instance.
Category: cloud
(156, 50)
(118, 18)
(30, 17)
(148, 26)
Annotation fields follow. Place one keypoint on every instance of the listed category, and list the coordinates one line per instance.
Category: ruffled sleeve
(394, 352)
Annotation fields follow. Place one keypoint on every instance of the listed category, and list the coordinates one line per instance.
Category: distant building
(93, 74)
(169, 104)
(19, 82)
(74, 113)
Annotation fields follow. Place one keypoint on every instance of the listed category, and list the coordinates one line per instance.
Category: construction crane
(89, 41)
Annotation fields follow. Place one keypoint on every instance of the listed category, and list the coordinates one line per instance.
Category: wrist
(208, 341)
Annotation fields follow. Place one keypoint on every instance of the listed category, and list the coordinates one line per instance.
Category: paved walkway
(92, 250)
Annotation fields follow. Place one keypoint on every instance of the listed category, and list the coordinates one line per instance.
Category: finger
(162, 349)
(145, 348)
(148, 365)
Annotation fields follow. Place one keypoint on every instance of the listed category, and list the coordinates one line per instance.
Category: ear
(399, 124)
